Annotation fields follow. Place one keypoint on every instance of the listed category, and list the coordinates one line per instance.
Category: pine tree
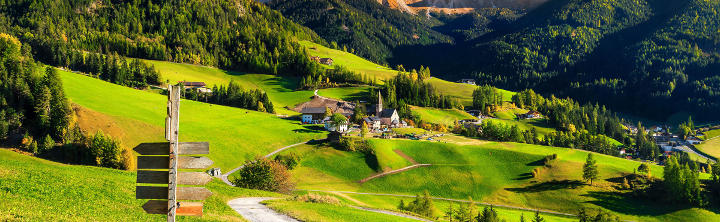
(537, 217)
(364, 129)
(590, 171)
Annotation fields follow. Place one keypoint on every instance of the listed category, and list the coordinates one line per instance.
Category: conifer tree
(590, 171)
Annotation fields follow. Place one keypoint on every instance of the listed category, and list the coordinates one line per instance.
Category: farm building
(532, 114)
(329, 126)
(313, 111)
(198, 86)
(326, 61)
(467, 81)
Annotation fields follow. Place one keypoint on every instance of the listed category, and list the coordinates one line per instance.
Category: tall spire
(379, 107)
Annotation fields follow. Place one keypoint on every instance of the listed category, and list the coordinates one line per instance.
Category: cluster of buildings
(326, 61)
(200, 87)
(379, 119)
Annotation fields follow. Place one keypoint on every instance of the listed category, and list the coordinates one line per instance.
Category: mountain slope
(369, 29)
(635, 56)
(240, 35)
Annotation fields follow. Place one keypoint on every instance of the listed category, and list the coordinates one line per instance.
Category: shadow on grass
(310, 129)
(524, 176)
(540, 162)
(628, 204)
(549, 185)
(372, 162)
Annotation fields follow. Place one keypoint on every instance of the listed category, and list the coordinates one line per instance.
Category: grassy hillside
(33, 189)
(491, 172)
(281, 90)
(228, 129)
(712, 145)
(441, 116)
(461, 91)
(327, 212)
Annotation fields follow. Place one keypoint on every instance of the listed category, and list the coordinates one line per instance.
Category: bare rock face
(458, 6)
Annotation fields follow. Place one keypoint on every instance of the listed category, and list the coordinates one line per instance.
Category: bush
(421, 205)
(264, 174)
(353, 144)
(106, 150)
(290, 161)
(549, 160)
(47, 144)
(317, 198)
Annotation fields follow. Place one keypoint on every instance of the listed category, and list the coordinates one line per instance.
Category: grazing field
(280, 89)
(710, 147)
(461, 91)
(441, 116)
(712, 133)
(326, 212)
(84, 193)
(235, 135)
(540, 125)
(497, 173)
(391, 202)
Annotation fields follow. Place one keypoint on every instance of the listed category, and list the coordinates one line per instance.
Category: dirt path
(403, 155)
(252, 210)
(390, 213)
(224, 177)
(393, 172)
(446, 199)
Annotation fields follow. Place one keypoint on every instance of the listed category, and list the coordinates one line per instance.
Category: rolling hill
(497, 173)
(140, 117)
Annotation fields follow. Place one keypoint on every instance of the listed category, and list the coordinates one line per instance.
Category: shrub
(535, 173)
(353, 144)
(317, 198)
(47, 144)
(549, 160)
(106, 150)
(264, 174)
(421, 205)
(290, 161)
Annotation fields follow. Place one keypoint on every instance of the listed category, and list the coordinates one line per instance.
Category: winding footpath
(446, 199)
(252, 210)
(224, 177)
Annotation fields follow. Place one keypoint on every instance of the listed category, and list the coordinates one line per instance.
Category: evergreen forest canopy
(363, 27)
(651, 58)
(238, 35)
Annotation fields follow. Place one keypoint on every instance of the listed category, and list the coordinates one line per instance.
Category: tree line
(407, 89)
(234, 95)
(36, 116)
(235, 35)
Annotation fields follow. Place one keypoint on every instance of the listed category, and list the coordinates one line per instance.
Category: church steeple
(379, 107)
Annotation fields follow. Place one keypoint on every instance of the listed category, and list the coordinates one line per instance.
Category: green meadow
(460, 91)
(441, 116)
(235, 135)
(280, 89)
(712, 146)
(492, 172)
(326, 212)
(86, 193)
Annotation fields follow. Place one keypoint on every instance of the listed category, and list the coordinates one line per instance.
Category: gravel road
(252, 210)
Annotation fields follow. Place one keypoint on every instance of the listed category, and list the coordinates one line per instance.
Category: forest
(36, 116)
(236, 35)
(363, 27)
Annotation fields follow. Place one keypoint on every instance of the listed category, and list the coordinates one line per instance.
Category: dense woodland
(234, 95)
(36, 116)
(363, 27)
(633, 56)
(239, 35)
(411, 89)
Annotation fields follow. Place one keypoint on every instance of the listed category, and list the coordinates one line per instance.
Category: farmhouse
(198, 86)
(530, 115)
(330, 126)
(467, 81)
(315, 58)
(326, 61)
(313, 111)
